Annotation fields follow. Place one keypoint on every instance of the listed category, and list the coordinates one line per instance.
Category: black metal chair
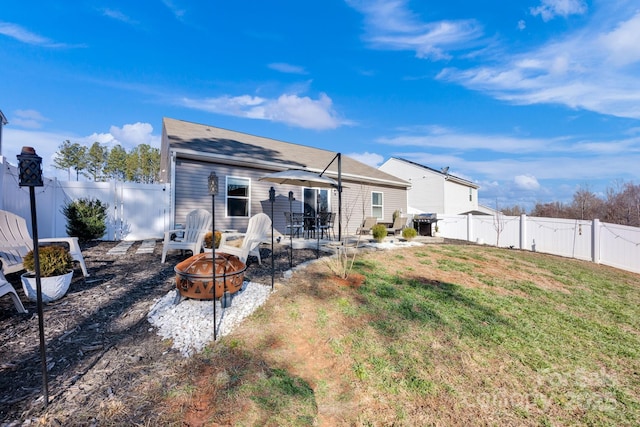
(327, 219)
(294, 223)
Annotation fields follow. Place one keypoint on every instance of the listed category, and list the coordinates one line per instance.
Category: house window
(470, 195)
(238, 200)
(376, 204)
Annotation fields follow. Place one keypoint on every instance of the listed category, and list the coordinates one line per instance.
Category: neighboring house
(191, 151)
(482, 210)
(434, 191)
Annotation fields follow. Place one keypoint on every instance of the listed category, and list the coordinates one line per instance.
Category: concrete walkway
(146, 247)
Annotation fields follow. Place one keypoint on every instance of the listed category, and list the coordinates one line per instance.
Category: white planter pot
(53, 288)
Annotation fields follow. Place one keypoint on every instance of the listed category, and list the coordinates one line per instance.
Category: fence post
(595, 241)
(470, 227)
(3, 172)
(523, 231)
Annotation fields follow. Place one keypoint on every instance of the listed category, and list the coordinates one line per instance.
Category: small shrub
(395, 215)
(54, 261)
(409, 233)
(207, 239)
(86, 218)
(379, 232)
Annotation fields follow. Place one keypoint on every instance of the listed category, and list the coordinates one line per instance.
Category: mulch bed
(98, 340)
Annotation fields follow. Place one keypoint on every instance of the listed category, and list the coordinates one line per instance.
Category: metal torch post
(272, 199)
(30, 169)
(213, 190)
(291, 199)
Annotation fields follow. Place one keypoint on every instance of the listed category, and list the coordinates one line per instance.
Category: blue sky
(530, 99)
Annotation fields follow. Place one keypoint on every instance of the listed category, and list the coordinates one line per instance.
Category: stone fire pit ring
(194, 276)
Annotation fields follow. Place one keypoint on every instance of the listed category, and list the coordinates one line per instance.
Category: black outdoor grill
(423, 223)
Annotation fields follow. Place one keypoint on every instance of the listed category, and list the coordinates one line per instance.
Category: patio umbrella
(306, 179)
(300, 177)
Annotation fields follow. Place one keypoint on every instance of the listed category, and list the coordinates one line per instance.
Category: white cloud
(371, 159)
(287, 68)
(132, 135)
(118, 16)
(178, 11)
(594, 68)
(526, 182)
(291, 109)
(579, 162)
(621, 44)
(391, 25)
(25, 36)
(128, 137)
(441, 137)
(549, 9)
(47, 143)
(522, 25)
(30, 119)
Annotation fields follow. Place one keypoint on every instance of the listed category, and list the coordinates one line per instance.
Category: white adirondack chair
(15, 242)
(191, 236)
(7, 288)
(257, 231)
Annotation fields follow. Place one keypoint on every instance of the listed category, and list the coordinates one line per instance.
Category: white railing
(599, 242)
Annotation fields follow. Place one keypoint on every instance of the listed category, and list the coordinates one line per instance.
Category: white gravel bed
(190, 323)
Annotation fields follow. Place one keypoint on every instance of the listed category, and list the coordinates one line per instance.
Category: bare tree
(498, 223)
(586, 205)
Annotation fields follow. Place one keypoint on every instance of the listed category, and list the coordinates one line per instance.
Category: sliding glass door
(315, 199)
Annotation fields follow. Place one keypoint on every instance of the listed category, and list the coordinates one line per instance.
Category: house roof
(204, 142)
(448, 176)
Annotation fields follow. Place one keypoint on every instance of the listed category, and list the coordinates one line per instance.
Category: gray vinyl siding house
(191, 151)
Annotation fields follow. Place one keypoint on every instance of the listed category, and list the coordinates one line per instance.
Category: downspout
(172, 194)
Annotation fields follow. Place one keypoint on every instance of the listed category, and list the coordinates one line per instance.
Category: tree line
(617, 206)
(98, 163)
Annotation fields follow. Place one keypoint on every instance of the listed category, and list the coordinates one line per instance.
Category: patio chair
(398, 224)
(367, 225)
(7, 288)
(294, 223)
(15, 242)
(257, 231)
(327, 219)
(191, 236)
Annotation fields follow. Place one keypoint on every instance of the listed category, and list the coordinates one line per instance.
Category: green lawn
(447, 335)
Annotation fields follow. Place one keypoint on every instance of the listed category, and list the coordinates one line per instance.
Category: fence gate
(142, 211)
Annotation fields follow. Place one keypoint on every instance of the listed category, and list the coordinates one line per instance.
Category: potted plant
(207, 239)
(56, 272)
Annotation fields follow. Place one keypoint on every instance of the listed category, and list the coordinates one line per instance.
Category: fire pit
(194, 276)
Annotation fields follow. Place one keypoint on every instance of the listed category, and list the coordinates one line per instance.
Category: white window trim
(226, 198)
(381, 206)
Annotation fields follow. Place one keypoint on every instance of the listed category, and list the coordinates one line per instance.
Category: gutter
(268, 165)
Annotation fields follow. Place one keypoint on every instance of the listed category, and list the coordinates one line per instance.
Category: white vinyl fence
(141, 211)
(136, 211)
(602, 243)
